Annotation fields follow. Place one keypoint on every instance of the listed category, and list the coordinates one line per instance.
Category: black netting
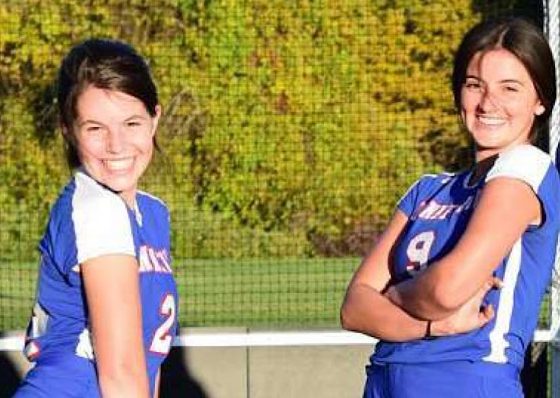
(290, 130)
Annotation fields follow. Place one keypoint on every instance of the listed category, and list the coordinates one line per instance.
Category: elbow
(347, 317)
(440, 302)
(123, 380)
(344, 318)
(119, 374)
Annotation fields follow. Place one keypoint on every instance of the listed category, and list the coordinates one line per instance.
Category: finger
(491, 283)
(497, 283)
(486, 314)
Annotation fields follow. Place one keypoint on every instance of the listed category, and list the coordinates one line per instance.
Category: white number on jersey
(161, 343)
(418, 251)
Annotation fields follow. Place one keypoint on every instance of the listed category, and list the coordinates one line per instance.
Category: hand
(471, 315)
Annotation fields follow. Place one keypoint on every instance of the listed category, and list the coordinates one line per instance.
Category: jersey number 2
(161, 343)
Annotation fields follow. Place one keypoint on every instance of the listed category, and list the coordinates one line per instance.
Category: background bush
(289, 129)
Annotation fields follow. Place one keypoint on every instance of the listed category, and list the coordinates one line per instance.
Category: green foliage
(289, 128)
(317, 113)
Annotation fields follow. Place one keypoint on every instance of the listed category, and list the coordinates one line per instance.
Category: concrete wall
(244, 372)
(269, 372)
(259, 372)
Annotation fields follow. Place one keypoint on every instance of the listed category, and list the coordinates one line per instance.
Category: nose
(115, 141)
(488, 100)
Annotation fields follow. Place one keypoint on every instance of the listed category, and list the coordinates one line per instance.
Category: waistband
(488, 369)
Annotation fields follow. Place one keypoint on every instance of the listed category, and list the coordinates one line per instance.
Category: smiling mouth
(118, 164)
(490, 120)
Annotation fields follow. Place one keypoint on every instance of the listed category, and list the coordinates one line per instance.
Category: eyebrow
(135, 117)
(501, 81)
(80, 124)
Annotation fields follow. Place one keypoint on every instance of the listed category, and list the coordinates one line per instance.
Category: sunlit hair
(105, 64)
(528, 44)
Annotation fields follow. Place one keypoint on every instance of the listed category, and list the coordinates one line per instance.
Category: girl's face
(499, 102)
(114, 136)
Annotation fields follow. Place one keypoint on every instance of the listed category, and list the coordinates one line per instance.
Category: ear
(67, 134)
(539, 110)
(156, 119)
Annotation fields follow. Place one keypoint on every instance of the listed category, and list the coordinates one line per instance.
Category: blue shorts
(460, 379)
(64, 377)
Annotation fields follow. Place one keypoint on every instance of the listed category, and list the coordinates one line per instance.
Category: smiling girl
(106, 306)
(453, 287)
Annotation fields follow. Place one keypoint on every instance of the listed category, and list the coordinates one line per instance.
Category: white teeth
(119, 164)
(491, 121)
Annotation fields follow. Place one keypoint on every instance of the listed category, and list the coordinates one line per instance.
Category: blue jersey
(439, 208)
(87, 221)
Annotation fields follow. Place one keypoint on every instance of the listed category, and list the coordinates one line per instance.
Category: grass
(256, 293)
(17, 292)
(276, 293)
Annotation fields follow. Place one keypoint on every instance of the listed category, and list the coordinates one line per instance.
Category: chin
(119, 186)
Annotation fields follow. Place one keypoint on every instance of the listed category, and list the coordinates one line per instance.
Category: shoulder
(85, 200)
(152, 204)
(101, 220)
(87, 221)
(152, 201)
(437, 179)
(425, 187)
(431, 182)
(525, 152)
(524, 162)
(91, 195)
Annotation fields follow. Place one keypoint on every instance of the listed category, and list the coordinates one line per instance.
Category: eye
(93, 129)
(134, 124)
(473, 85)
(511, 88)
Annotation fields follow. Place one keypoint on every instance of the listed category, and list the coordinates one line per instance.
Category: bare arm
(506, 208)
(156, 391)
(365, 309)
(113, 297)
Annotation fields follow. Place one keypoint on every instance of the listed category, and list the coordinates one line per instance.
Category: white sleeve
(523, 162)
(101, 222)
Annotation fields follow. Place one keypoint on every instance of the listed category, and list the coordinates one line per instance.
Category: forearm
(367, 311)
(123, 374)
(116, 329)
(421, 298)
(123, 383)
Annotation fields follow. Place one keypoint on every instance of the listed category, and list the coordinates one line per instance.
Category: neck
(129, 198)
(481, 167)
